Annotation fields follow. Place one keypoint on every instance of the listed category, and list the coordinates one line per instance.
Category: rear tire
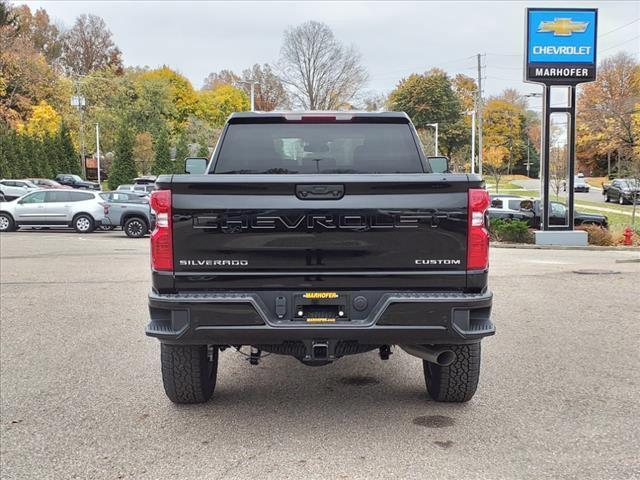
(607, 199)
(135, 227)
(457, 382)
(6, 223)
(189, 372)
(83, 223)
(621, 200)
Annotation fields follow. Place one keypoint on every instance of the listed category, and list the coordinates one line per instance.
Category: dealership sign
(561, 45)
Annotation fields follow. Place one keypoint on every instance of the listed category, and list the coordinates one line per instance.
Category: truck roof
(329, 115)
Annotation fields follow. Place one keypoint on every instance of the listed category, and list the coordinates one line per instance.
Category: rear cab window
(314, 147)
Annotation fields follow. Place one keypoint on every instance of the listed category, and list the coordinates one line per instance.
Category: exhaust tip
(446, 358)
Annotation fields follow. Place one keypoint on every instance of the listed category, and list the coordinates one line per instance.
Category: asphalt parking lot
(81, 394)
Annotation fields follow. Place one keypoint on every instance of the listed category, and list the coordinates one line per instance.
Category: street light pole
(252, 84)
(435, 125)
(98, 150)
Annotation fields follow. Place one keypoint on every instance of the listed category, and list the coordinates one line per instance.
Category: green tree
(123, 167)
(68, 155)
(162, 163)
(430, 98)
(182, 152)
(203, 149)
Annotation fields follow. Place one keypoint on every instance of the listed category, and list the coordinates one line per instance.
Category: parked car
(528, 209)
(142, 188)
(579, 184)
(74, 181)
(622, 190)
(145, 179)
(82, 211)
(129, 211)
(46, 183)
(11, 189)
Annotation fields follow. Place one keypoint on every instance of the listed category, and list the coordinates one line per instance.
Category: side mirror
(195, 165)
(439, 164)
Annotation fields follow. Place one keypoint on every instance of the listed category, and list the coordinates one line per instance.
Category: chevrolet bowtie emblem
(563, 27)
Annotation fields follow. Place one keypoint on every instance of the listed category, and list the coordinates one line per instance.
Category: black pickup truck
(319, 235)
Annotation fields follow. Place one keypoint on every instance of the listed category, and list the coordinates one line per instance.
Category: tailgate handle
(319, 192)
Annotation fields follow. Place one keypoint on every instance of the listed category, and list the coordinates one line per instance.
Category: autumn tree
(605, 110)
(44, 120)
(143, 152)
(430, 98)
(503, 126)
(270, 92)
(216, 105)
(318, 70)
(40, 33)
(494, 163)
(89, 46)
(216, 79)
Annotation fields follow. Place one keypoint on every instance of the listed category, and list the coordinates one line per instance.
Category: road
(594, 194)
(81, 395)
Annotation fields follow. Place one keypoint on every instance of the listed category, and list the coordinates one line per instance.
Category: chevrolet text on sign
(561, 45)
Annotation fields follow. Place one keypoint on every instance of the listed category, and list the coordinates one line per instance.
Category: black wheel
(457, 382)
(6, 223)
(189, 372)
(606, 198)
(621, 200)
(135, 227)
(83, 223)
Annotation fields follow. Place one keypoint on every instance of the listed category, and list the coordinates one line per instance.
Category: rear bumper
(245, 319)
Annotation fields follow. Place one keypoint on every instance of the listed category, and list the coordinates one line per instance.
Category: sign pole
(560, 51)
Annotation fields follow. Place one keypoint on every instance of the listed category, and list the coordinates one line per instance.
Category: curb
(527, 246)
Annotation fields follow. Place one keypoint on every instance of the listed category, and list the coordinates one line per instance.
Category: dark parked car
(46, 183)
(129, 211)
(622, 190)
(74, 181)
(508, 207)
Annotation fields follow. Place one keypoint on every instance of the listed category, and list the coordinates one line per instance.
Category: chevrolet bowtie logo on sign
(561, 45)
(563, 27)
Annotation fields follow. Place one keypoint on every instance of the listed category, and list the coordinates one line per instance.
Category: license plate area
(321, 307)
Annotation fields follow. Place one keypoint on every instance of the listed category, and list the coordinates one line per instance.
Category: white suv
(81, 210)
(16, 188)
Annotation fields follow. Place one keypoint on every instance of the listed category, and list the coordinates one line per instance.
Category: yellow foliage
(44, 120)
(217, 104)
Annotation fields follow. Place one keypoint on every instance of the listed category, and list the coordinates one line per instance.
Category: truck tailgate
(327, 224)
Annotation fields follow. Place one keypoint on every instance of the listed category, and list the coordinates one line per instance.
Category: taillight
(161, 237)
(478, 236)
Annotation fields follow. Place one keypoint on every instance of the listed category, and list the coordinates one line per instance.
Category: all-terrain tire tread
(457, 382)
(184, 373)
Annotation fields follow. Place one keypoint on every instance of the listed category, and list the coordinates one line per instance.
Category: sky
(394, 38)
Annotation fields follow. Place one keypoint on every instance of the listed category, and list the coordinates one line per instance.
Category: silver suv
(81, 210)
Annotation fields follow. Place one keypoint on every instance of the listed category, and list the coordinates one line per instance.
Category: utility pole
(479, 108)
(98, 150)
(473, 139)
(79, 102)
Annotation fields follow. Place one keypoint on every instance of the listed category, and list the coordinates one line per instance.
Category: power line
(619, 28)
(620, 44)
